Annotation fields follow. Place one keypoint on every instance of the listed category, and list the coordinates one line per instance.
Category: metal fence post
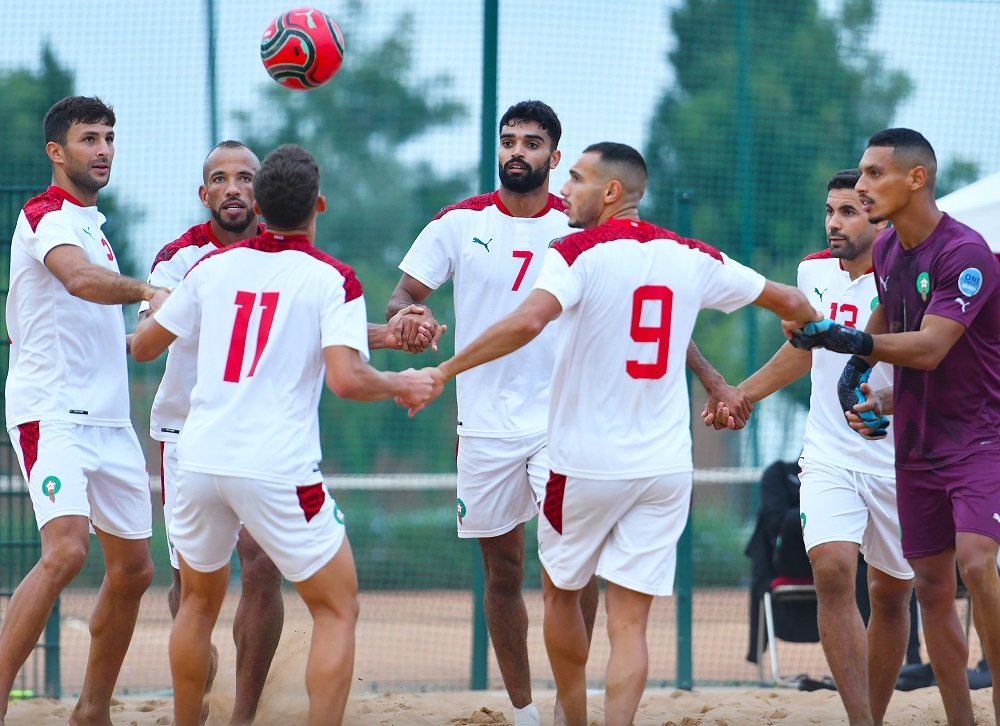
(684, 589)
(487, 174)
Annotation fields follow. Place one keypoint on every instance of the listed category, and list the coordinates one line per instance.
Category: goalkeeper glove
(849, 392)
(834, 337)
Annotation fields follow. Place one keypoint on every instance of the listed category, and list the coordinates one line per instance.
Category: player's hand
(729, 408)
(867, 417)
(833, 336)
(851, 392)
(413, 329)
(423, 386)
(159, 297)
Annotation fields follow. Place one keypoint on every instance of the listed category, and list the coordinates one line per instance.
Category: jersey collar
(549, 202)
(60, 192)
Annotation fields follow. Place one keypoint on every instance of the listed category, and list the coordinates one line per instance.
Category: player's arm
(788, 364)
(405, 329)
(150, 339)
(350, 377)
(506, 335)
(721, 396)
(787, 302)
(923, 349)
(87, 281)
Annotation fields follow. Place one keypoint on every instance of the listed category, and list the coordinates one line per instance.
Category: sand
(659, 707)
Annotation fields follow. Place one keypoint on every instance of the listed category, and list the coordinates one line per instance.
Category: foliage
(758, 170)
(359, 127)
(25, 96)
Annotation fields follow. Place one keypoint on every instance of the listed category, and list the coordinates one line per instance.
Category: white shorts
(169, 473)
(299, 528)
(625, 531)
(92, 471)
(840, 505)
(500, 483)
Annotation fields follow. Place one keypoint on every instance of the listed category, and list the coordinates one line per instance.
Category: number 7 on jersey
(245, 302)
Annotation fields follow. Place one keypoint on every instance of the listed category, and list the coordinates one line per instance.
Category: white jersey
(262, 310)
(828, 438)
(67, 355)
(494, 259)
(173, 397)
(630, 294)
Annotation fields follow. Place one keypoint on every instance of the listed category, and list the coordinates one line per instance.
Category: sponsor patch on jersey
(970, 281)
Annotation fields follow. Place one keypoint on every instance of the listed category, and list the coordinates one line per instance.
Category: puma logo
(996, 516)
(486, 244)
(964, 303)
(885, 282)
(820, 294)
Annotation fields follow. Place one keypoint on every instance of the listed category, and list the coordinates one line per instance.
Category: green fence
(747, 105)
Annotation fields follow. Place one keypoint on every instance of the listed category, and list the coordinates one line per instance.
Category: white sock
(527, 716)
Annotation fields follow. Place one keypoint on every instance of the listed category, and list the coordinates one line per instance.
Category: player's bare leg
(977, 562)
(128, 572)
(589, 597)
(943, 633)
(506, 614)
(628, 665)
(567, 645)
(64, 550)
(332, 598)
(841, 629)
(888, 632)
(256, 626)
(174, 602)
(202, 595)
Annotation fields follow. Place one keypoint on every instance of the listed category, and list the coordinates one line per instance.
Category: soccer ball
(302, 49)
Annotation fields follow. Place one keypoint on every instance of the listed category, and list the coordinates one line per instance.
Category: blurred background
(743, 109)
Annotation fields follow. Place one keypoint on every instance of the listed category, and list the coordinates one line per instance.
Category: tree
(25, 96)
(814, 93)
(357, 127)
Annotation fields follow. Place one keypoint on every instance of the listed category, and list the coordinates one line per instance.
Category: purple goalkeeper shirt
(944, 415)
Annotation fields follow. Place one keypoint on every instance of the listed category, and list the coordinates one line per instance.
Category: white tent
(977, 205)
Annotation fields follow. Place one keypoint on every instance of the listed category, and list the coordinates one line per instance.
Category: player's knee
(832, 574)
(977, 568)
(258, 573)
(130, 577)
(64, 559)
(889, 595)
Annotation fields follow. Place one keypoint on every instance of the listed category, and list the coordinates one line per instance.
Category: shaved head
(909, 149)
(621, 162)
(229, 144)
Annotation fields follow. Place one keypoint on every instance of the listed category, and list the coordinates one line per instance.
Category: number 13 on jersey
(245, 303)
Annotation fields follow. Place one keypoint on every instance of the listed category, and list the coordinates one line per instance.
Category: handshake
(853, 383)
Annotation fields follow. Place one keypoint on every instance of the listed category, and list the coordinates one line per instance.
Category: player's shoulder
(48, 202)
(198, 239)
(351, 283)
(478, 203)
(572, 246)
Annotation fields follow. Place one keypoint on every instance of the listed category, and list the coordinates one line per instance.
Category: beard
(237, 227)
(81, 177)
(523, 184)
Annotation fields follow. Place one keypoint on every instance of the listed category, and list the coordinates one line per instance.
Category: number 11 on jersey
(245, 302)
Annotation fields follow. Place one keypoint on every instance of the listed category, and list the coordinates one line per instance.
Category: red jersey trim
(574, 245)
(828, 255)
(198, 236)
(481, 202)
(270, 242)
(51, 200)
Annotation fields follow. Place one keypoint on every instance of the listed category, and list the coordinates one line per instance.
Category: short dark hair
(615, 153)
(537, 111)
(75, 110)
(286, 187)
(229, 144)
(844, 179)
(908, 141)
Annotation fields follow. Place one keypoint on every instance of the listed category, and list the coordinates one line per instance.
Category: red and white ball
(302, 49)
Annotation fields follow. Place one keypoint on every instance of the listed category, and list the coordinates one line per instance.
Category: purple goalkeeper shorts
(934, 504)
